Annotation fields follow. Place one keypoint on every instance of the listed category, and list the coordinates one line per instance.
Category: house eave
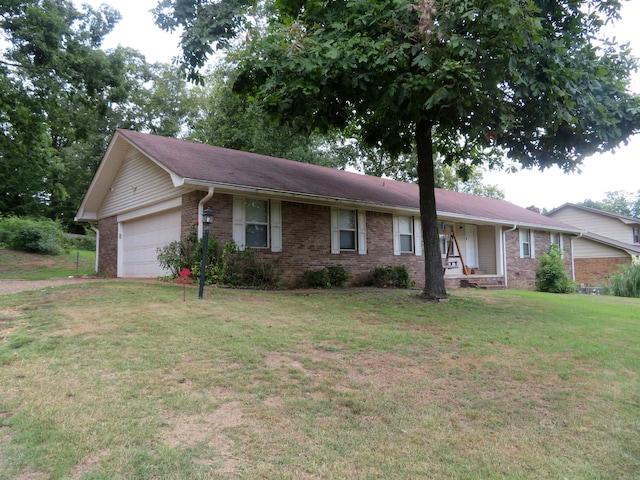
(373, 206)
(297, 196)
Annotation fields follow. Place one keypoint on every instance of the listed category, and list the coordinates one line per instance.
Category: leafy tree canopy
(533, 79)
(619, 201)
(61, 97)
(220, 117)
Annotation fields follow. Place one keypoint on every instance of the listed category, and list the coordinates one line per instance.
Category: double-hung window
(348, 231)
(257, 223)
(348, 226)
(527, 248)
(407, 235)
(405, 230)
(636, 234)
(558, 241)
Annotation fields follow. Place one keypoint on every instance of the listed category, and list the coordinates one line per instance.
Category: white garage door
(141, 239)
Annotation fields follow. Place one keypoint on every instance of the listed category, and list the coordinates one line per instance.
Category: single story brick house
(151, 190)
(607, 241)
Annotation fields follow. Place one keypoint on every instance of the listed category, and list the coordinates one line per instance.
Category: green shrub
(626, 282)
(389, 276)
(316, 278)
(245, 268)
(187, 253)
(551, 275)
(81, 242)
(328, 277)
(171, 258)
(36, 235)
(338, 275)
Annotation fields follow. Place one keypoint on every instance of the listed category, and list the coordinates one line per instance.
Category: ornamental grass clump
(551, 274)
(626, 282)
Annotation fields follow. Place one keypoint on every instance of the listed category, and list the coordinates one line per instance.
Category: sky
(548, 189)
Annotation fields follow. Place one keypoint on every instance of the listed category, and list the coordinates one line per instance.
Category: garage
(140, 239)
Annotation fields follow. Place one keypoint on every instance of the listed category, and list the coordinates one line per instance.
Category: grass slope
(32, 266)
(123, 380)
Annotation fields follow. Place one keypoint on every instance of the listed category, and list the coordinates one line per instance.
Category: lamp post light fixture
(207, 219)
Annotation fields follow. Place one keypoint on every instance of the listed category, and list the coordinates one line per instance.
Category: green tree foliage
(531, 78)
(56, 85)
(551, 274)
(404, 167)
(36, 235)
(62, 96)
(619, 201)
(223, 118)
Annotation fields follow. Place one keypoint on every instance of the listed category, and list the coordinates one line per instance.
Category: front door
(471, 242)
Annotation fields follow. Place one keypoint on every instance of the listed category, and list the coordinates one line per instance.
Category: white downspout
(204, 200)
(504, 254)
(573, 258)
(97, 247)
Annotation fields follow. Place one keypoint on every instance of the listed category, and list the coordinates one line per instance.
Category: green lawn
(31, 266)
(124, 380)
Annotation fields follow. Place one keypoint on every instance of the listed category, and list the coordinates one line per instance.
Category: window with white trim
(256, 221)
(407, 235)
(405, 231)
(636, 234)
(348, 226)
(558, 240)
(348, 231)
(527, 248)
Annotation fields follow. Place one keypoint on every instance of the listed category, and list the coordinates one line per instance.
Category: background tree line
(62, 96)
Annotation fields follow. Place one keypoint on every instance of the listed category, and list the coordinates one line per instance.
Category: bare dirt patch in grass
(8, 314)
(185, 431)
(87, 465)
(77, 322)
(16, 286)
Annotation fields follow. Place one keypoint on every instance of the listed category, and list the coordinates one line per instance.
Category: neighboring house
(607, 241)
(150, 190)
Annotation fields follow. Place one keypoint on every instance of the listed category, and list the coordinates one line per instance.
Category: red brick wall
(190, 211)
(306, 242)
(593, 272)
(521, 272)
(108, 249)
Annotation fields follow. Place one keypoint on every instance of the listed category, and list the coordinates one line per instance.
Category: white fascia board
(503, 222)
(151, 209)
(99, 185)
(298, 197)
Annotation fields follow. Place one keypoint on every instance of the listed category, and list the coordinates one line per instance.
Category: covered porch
(472, 255)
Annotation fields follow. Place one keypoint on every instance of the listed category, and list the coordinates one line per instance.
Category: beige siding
(487, 249)
(584, 248)
(139, 182)
(599, 224)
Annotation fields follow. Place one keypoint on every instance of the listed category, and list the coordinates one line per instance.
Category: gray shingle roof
(221, 166)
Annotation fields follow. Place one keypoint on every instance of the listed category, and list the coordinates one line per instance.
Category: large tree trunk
(433, 277)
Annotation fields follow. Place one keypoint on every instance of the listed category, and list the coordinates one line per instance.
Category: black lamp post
(207, 219)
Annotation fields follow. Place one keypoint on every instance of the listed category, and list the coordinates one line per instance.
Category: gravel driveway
(14, 286)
